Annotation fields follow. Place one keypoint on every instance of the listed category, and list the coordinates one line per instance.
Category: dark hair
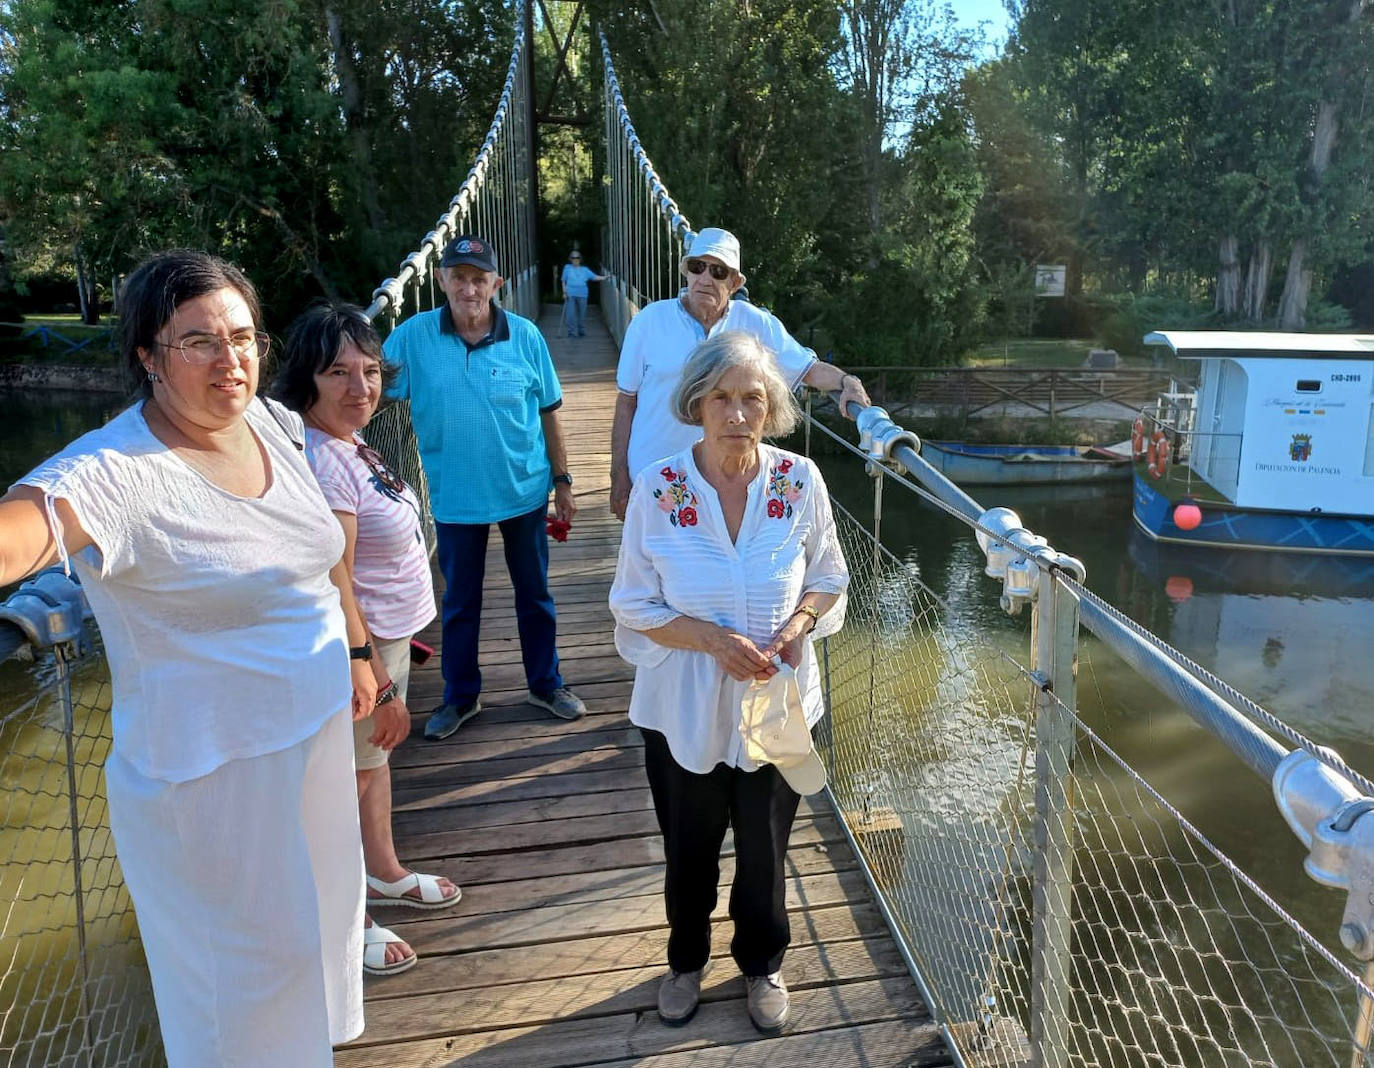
(313, 343)
(161, 284)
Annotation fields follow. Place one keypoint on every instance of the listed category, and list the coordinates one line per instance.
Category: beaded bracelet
(388, 694)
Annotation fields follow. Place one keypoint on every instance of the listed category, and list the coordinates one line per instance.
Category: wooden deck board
(553, 956)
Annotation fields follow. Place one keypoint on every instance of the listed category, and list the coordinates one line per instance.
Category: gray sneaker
(562, 702)
(679, 993)
(768, 1002)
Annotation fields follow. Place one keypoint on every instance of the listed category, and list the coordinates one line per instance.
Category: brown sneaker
(678, 996)
(768, 1002)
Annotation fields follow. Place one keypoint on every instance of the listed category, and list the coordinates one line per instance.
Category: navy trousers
(693, 812)
(462, 552)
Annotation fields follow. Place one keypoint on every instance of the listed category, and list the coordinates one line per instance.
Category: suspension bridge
(985, 882)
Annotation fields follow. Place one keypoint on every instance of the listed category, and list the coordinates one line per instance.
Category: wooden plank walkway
(554, 954)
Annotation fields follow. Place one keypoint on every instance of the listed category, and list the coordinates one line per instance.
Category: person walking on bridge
(484, 402)
(661, 336)
(575, 278)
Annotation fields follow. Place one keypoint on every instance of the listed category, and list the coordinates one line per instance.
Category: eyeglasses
(383, 474)
(575, 259)
(719, 271)
(202, 349)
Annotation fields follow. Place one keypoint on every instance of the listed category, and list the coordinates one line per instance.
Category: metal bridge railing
(74, 990)
(1055, 907)
(646, 233)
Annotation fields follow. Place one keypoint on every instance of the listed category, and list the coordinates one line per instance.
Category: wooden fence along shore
(1018, 392)
(554, 954)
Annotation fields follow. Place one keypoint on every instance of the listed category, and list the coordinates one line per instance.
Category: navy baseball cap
(471, 249)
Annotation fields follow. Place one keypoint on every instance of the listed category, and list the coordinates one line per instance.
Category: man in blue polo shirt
(484, 402)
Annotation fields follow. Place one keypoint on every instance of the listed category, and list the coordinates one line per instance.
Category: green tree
(310, 141)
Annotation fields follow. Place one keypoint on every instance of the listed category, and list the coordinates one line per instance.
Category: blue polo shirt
(476, 411)
(575, 279)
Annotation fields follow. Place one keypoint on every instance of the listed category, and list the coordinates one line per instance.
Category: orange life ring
(1138, 438)
(1157, 455)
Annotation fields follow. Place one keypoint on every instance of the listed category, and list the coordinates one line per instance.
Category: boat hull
(1230, 527)
(1022, 465)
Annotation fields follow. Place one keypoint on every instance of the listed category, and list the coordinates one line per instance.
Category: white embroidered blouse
(676, 559)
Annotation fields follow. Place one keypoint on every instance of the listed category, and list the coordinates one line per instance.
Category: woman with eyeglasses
(332, 373)
(214, 568)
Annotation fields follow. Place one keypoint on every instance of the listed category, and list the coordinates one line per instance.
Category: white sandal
(397, 893)
(375, 940)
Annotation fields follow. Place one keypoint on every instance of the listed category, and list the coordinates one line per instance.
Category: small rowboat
(1025, 465)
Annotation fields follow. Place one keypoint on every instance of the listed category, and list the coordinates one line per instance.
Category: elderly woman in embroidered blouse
(332, 373)
(728, 560)
(213, 566)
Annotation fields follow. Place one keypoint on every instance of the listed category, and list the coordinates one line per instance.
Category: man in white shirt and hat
(659, 339)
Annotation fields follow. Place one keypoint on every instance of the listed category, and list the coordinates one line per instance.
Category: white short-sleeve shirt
(657, 343)
(223, 631)
(676, 559)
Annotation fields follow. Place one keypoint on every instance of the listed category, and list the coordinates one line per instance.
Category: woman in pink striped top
(332, 373)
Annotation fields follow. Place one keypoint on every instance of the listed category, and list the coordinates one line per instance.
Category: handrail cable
(646, 232)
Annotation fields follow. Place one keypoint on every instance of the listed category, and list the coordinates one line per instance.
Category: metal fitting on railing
(1332, 819)
(1015, 556)
(48, 609)
(879, 436)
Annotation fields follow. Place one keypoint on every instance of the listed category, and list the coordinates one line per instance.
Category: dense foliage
(310, 140)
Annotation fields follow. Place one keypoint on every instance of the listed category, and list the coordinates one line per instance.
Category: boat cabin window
(1309, 385)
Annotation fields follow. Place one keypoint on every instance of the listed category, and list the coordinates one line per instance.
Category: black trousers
(693, 813)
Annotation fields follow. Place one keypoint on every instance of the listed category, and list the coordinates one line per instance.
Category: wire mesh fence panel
(931, 767)
(75, 989)
(1174, 957)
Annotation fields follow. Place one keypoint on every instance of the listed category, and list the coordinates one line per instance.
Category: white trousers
(248, 886)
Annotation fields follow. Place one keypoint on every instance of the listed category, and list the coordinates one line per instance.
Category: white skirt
(248, 886)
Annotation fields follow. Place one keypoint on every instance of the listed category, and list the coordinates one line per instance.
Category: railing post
(64, 654)
(1054, 626)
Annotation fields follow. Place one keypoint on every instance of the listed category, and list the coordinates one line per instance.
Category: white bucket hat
(773, 727)
(713, 241)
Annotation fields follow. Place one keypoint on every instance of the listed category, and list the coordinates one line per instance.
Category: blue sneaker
(446, 719)
(562, 702)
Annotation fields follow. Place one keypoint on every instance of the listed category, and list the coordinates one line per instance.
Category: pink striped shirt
(390, 562)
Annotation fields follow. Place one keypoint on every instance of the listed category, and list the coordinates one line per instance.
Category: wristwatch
(360, 652)
(806, 609)
(562, 477)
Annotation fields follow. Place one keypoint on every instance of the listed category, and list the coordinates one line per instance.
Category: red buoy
(1187, 516)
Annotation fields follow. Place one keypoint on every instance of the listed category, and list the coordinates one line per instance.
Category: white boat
(1274, 447)
(1015, 465)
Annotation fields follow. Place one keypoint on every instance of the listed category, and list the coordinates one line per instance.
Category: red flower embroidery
(677, 500)
(783, 492)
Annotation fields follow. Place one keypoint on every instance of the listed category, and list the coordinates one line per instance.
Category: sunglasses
(719, 271)
(387, 477)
